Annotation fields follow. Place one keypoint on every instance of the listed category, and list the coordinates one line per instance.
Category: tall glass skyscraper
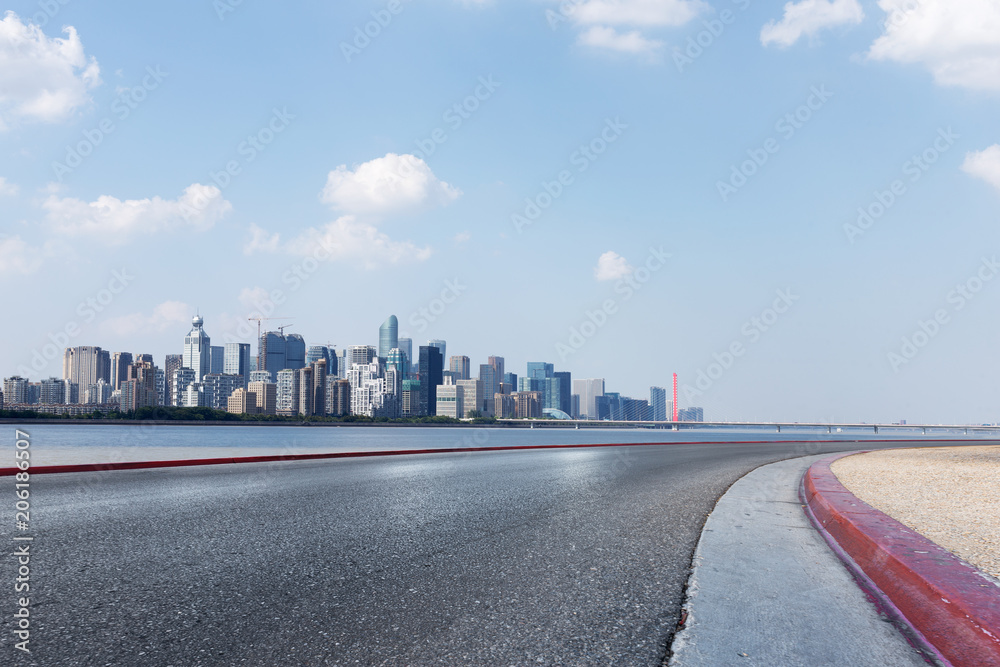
(439, 344)
(295, 351)
(431, 367)
(197, 349)
(236, 360)
(388, 337)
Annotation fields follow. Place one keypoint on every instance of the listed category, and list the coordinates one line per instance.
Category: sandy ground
(951, 495)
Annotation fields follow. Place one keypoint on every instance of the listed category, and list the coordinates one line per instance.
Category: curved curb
(950, 604)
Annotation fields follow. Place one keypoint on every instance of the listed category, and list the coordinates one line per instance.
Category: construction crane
(261, 319)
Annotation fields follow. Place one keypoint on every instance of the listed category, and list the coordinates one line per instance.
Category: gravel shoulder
(950, 495)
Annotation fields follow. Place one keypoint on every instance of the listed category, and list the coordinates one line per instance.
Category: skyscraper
(388, 336)
(360, 355)
(171, 363)
(317, 352)
(406, 347)
(398, 360)
(430, 368)
(237, 360)
(565, 402)
(658, 402)
(460, 367)
(85, 365)
(440, 345)
(295, 351)
(588, 390)
(120, 362)
(197, 352)
(271, 353)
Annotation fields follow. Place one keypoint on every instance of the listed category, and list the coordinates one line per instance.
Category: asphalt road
(569, 557)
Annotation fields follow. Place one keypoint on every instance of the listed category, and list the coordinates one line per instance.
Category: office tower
(525, 383)
(53, 392)
(460, 368)
(552, 397)
(263, 376)
(406, 347)
(218, 387)
(658, 402)
(362, 355)
(527, 405)
(170, 364)
(197, 349)
(398, 361)
(120, 362)
(588, 390)
(691, 414)
(295, 351)
(504, 406)
(288, 392)
(242, 402)
(342, 366)
(450, 400)
(216, 358)
(236, 360)
(182, 377)
(539, 370)
(85, 365)
(498, 370)
(338, 401)
(266, 395)
(306, 394)
(388, 337)
(409, 398)
(139, 390)
(271, 352)
(440, 345)
(430, 368)
(328, 354)
(565, 402)
(472, 391)
(575, 406)
(510, 379)
(488, 388)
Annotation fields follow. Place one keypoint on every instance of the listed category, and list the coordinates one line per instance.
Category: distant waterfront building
(398, 360)
(295, 351)
(263, 376)
(97, 394)
(53, 392)
(182, 377)
(218, 387)
(217, 359)
(86, 364)
(171, 363)
(460, 367)
(527, 404)
(72, 395)
(120, 361)
(338, 402)
(588, 390)
(197, 349)
(236, 360)
(441, 346)
(450, 400)
(565, 401)
(265, 395)
(193, 397)
(271, 352)
(504, 406)
(161, 386)
(691, 414)
(139, 390)
(388, 337)
(361, 355)
(658, 403)
(410, 398)
(406, 346)
(472, 391)
(367, 389)
(15, 389)
(328, 354)
(288, 392)
(430, 368)
(510, 379)
(242, 402)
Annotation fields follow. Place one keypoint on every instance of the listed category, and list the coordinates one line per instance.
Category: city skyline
(611, 194)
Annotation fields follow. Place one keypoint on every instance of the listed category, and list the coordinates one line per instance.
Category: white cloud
(808, 17)
(462, 237)
(17, 257)
(604, 37)
(251, 297)
(41, 78)
(7, 189)
(642, 13)
(984, 164)
(957, 40)
(612, 266)
(260, 240)
(114, 220)
(167, 315)
(348, 239)
(387, 184)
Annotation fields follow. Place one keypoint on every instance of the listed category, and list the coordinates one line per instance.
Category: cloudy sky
(793, 206)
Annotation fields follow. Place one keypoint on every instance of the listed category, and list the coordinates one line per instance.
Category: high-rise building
(216, 358)
(450, 401)
(120, 362)
(161, 386)
(338, 401)
(430, 368)
(171, 363)
(85, 365)
(410, 398)
(361, 355)
(691, 414)
(271, 352)
(488, 387)
(97, 394)
(306, 393)
(295, 351)
(197, 349)
(460, 367)
(319, 387)
(565, 401)
(236, 360)
(369, 393)
(242, 402)
(406, 346)
(328, 354)
(218, 387)
(53, 392)
(398, 360)
(441, 346)
(139, 390)
(263, 376)
(588, 390)
(504, 406)
(472, 391)
(182, 377)
(288, 392)
(527, 405)
(539, 370)
(388, 337)
(658, 402)
(510, 379)
(15, 390)
(265, 395)
(193, 396)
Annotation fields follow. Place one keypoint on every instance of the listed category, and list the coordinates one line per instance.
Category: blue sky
(739, 138)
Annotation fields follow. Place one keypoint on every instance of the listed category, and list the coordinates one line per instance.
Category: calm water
(58, 443)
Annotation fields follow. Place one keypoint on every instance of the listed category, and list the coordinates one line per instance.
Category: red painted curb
(946, 600)
(137, 465)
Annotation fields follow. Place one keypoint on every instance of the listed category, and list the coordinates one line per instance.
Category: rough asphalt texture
(950, 495)
(572, 557)
(767, 589)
